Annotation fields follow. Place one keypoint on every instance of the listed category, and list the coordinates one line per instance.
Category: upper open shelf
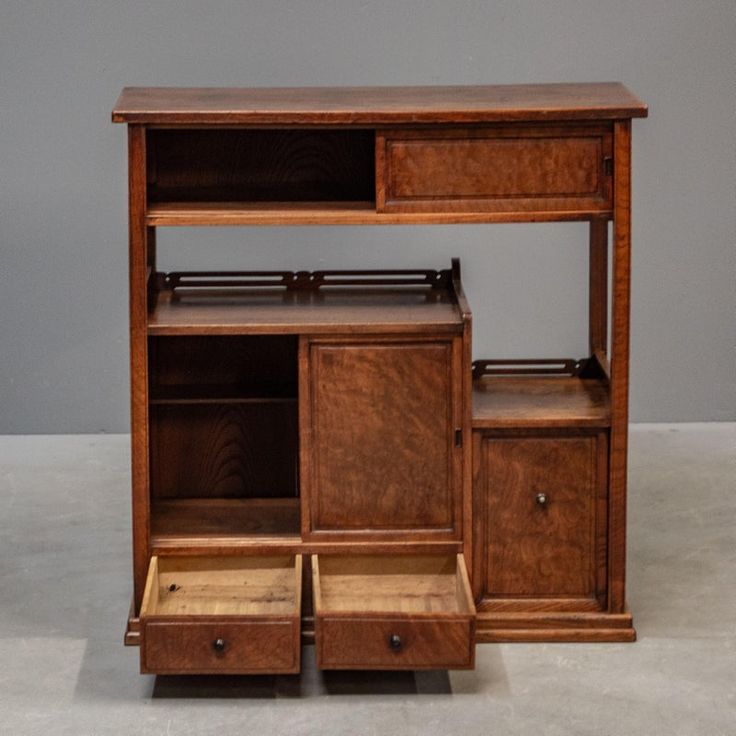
(260, 165)
(239, 303)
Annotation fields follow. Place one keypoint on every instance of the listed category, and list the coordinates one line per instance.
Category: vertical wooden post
(619, 364)
(466, 397)
(138, 265)
(598, 287)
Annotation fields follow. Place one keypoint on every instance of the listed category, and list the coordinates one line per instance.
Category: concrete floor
(65, 591)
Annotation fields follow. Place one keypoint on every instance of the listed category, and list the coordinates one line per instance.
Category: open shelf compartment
(540, 393)
(200, 170)
(223, 438)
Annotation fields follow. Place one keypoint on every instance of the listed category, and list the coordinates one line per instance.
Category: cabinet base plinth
(554, 627)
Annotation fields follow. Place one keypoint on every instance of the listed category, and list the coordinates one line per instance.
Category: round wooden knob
(542, 499)
(218, 645)
(394, 641)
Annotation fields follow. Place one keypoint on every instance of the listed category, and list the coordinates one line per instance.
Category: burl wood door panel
(502, 169)
(378, 453)
(545, 515)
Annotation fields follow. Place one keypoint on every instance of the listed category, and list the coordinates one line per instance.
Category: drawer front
(204, 647)
(544, 501)
(386, 643)
(516, 169)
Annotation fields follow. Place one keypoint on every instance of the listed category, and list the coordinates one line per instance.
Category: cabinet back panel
(260, 165)
(224, 450)
(224, 367)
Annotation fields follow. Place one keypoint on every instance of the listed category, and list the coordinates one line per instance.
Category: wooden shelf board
(196, 394)
(184, 520)
(273, 311)
(334, 213)
(502, 402)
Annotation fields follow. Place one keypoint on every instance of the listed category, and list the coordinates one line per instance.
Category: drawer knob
(394, 641)
(218, 645)
(542, 499)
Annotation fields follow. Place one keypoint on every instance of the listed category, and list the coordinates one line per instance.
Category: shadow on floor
(294, 686)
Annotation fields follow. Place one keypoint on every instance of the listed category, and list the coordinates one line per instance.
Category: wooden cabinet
(336, 417)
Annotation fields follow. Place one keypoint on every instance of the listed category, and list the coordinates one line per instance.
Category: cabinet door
(380, 453)
(544, 501)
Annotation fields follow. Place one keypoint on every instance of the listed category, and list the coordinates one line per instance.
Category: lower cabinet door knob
(218, 645)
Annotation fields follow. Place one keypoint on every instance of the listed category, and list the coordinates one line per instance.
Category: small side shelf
(543, 393)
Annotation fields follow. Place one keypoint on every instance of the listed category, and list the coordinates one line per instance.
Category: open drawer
(222, 615)
(393, 612)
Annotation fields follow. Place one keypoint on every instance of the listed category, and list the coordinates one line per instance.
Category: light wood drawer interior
(393, 612)
(236, 615)
(502, 169)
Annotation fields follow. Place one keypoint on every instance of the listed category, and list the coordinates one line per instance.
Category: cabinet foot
(132, 636)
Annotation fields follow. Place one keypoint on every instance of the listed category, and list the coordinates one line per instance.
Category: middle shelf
(297, 302)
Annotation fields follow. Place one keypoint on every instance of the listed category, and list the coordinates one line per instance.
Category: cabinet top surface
(376, 105)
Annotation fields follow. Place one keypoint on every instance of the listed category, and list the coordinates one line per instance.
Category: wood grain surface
(539, 549)
(224, 450)
(382, 453)
(506, 169)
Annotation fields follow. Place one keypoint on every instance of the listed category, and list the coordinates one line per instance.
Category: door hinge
(458, 438)
(608, 165)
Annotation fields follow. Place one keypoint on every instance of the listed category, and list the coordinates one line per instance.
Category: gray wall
(63, 319)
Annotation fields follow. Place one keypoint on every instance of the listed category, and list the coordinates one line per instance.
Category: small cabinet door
(543, 500)
(381, 439)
